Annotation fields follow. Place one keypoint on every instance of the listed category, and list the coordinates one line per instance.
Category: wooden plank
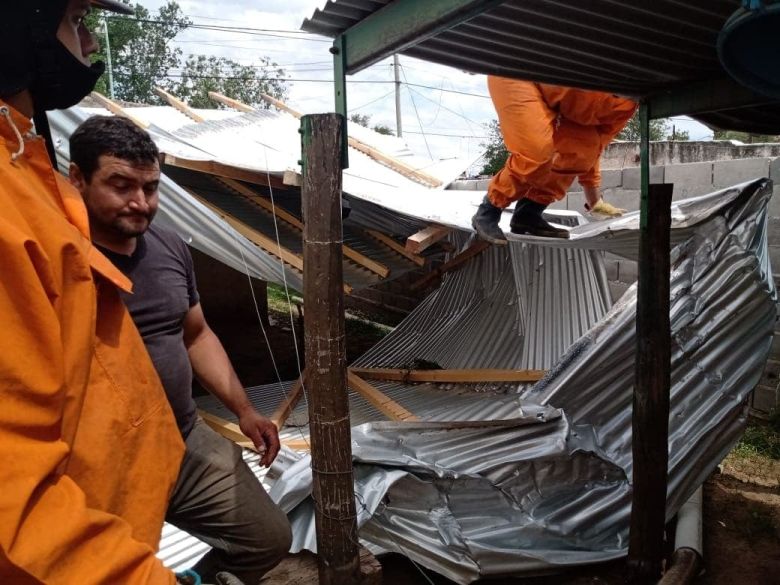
(426, 238)
(226, 171)
(386, 405)
(232, 432)
(331, 448)
(266, 243)
(458, 261)
(282, 413)
(230, 102)
(397, 165)
(116, 109)
(376, 267)
(466, 376)
(396, 247)
(179, 105)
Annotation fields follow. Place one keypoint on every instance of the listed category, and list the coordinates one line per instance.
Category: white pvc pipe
(689, 524)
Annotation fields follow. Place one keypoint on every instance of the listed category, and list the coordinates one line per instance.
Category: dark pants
(218, 500)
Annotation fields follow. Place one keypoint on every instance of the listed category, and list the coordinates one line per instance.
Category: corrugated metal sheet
(515, 480)
(631, 48)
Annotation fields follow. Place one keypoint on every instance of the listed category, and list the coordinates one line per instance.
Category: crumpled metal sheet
(539, 478)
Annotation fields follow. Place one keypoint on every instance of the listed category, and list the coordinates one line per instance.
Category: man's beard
(132, 226)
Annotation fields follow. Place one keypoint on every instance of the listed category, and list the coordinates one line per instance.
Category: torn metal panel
(513, 480)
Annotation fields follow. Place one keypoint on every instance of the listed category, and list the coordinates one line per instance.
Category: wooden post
(653, 378)
(323, 297)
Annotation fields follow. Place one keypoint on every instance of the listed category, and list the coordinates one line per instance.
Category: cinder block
(628, 272)
(773, 235)
(611, 178)
(627, 199)
(771, 375)
(727, 173)
(631, 177)
(575, 186)
(774, 201)
(689, 180)
(576, 202)
(774, 257)
(765, 399)
(482, 184)
(774, 170)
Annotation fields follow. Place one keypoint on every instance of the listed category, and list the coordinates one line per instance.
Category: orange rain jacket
(89, 450)
(553, 134)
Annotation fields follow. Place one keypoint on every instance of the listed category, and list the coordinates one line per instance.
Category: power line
(272, 32)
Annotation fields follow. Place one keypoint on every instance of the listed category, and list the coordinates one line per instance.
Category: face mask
(62, 80)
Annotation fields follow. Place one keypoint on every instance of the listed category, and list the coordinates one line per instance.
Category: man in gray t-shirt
(115, 166)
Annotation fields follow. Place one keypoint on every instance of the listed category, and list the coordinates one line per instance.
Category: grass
(756, 457)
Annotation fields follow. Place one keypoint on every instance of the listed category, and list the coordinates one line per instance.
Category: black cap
(113, 6)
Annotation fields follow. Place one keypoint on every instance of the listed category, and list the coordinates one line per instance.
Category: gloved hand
(190, 577)
(602, 209)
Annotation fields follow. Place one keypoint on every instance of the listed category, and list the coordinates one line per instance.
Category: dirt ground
(741, 507)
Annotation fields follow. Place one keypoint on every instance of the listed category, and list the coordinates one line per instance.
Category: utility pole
(398, 127)
(109, 67)
(323, 296)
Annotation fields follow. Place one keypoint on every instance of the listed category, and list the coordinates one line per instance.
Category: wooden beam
(258, 238)
(232, 432)
(383, 403)
(376, 267)
(455, 263)
(397, 165)
(116, 109)
(227, 171)
(396, 247)
(179, 105)
(282, 413)
(465, 376)
(331, 447)
(230, 102)
(427, 237)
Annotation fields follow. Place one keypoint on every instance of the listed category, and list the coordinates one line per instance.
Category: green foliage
(495, 151)
(202, 74)
(364, 120)
(679, 135)
(143, 57)
(744, 137)
(141, 54)
(658, 129)
(761, 439)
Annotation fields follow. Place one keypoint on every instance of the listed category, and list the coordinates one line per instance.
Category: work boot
(527, 219)
(485, 222)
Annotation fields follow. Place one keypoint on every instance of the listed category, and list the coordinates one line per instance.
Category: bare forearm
(213, 370)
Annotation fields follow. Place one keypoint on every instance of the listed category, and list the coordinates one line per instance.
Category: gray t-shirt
(164, 290)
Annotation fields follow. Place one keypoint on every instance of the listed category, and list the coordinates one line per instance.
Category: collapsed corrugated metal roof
(630, 48)
(514, 479)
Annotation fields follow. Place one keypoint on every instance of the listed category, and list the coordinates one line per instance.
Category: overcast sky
(440, 118)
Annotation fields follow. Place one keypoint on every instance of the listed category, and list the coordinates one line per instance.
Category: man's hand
(263, 433)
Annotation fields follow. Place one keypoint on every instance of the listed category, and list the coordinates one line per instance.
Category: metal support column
(340, 80)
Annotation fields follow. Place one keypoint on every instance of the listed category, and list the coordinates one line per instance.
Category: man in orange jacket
(553, 134)
(88, 444)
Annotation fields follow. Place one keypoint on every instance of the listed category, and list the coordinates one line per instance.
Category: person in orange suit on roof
(553, 134)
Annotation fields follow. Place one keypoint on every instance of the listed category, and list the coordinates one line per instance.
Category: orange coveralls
(89, 450)
(553, 134)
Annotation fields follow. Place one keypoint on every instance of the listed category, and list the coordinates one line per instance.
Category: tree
(495, 150)
(141, 54)
(744, 137)
(658, 129)
(202, 74)
(364, 120)
(679, 135)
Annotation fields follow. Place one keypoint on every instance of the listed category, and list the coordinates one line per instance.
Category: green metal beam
(402, 24)
(340, 83)
(704, 97)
